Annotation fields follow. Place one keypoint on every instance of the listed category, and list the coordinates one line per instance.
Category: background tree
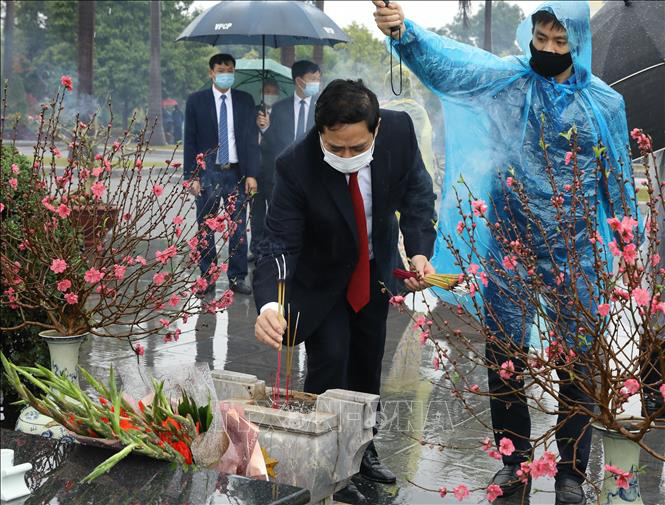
(155, 107)
(504, 19)
(8, 33)
(86, 47)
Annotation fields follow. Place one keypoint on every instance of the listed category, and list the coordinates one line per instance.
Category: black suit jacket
(201, 131)
(311, 220)
(280, 134)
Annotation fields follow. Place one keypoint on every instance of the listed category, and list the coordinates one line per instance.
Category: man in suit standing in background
(221, 124)
(332, 216)
(261, 199)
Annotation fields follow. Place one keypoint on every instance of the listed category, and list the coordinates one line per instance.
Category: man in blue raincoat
(495, 109)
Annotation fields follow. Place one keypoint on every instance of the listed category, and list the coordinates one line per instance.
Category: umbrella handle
(394, 29)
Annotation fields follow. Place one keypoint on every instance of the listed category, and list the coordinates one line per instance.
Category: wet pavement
(416, 405)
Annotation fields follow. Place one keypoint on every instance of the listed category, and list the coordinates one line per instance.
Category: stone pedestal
(319, 450)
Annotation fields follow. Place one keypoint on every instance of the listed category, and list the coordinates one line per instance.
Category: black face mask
(549, 64)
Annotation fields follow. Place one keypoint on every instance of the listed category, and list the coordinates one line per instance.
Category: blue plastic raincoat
(493, 108)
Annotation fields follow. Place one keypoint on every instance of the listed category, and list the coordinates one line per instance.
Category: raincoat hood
(574, 16)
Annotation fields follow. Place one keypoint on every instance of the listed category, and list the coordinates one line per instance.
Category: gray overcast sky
(429, 13)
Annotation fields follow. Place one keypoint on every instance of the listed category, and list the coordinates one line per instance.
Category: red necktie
(357, 293)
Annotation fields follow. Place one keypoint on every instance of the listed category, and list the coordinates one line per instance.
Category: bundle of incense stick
(290, 336)
(444, 281)
(281, 292)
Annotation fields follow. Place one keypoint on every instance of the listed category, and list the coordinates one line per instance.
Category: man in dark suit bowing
(332, 215)
(221, 122)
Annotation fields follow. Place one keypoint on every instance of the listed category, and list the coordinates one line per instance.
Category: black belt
(226, 166)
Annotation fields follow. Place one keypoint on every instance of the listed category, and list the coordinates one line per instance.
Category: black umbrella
(629, 55)
(263, 22)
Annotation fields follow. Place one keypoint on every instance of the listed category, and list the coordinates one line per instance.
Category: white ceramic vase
(64, 352)
(625, 454)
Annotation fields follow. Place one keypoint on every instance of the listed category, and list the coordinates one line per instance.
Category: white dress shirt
(296, 112)
(365, 185)
(233, 151)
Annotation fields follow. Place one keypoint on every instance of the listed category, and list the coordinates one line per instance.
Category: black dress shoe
(372, 469)
(653, 405)
(569, 492)
(350, 494)
(251, 257)
(508, 480)
(241, 287)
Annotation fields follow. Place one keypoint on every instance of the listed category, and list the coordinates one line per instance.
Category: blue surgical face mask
(311, 88)
(225, 80)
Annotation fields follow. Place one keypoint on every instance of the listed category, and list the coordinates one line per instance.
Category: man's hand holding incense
(269, 328)
(421, 265)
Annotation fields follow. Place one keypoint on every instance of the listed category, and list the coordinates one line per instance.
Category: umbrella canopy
(263, 22)
(629, 55)
(250, 74)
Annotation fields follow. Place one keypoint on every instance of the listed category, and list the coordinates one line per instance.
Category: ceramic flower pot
(64, 352)
(625, 454)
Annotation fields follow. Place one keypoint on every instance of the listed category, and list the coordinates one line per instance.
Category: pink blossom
(604, 309)
(178, 220)
(662, 391)
(621, 476)
(15, 169)
(655, 259)
(475, 388)
(632, 386)
(139, 349)
(58, 266)
(93, 276)
(493, 492)
(509, 182)
(164, 322)
(506, 446)
(396, 301)
(159, 278)
(443, 491)
(141, 260)
(614, 248)
(635, 133)
(483, 278)
(98, 190)
(13, 182)
(46, 203)
(200, 284)
(63, 211)
(509, 262)
(224, 267)
(461, 492)
(2, 207)
(66, 81)
(436, 362)
(487, 444)
(119, 271)
(71, 298)
(97, 171)
(569, 156)
(166, 254)
(641, 296)
(479, 207)
(174, 300)
(545, 466)
(460, 227)
(614, 223)
(494, 454)
(473, 269)
(507, 370)
(158, 190)
(64, 285)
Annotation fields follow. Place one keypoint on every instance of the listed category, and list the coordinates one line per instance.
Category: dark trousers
(511, 419)
(215, 186)
(258, 212)
(346, 350)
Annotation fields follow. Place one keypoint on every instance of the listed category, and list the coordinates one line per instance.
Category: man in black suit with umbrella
(332, 216)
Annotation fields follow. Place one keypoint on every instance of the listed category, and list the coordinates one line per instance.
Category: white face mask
(348, 165)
